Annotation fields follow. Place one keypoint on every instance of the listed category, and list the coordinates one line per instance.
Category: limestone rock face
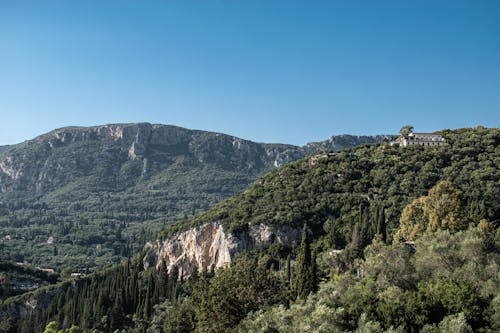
(209, 245)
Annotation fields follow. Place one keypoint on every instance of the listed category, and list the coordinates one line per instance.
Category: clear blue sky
(274, 71)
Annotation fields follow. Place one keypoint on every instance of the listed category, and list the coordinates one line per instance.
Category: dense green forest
(334, 190)
(80, 198)
(396, 239)
(17, 279)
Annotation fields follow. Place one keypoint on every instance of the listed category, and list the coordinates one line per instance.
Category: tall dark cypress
(382, 225)
(314, 269)
(356, 241)
(147, 300)
(288, 274)
(173, 281)
(304, 282)
(162, 277)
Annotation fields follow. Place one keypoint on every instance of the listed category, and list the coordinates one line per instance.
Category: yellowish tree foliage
(413, 220)
(444, 209)
(441, 209)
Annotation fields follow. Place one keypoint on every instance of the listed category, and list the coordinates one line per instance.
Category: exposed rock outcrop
(209, 245)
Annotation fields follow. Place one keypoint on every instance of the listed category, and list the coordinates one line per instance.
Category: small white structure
(421, 139)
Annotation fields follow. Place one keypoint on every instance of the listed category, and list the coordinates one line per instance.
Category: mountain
(347, 200)
(84, 197)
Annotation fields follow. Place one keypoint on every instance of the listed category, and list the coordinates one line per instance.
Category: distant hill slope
(88, 196)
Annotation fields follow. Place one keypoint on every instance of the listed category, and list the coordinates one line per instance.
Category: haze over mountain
(88, 196)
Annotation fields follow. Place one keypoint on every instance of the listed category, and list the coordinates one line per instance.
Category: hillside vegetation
(85, 197)
(16, 279)
(353, 203)
(334, 191)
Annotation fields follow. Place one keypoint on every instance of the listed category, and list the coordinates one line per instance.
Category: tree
(51, 327)
(314, 272)
(304, 278)
(444, 208)
(245, 286)
(405, 130)
(412, 221)
(382, 224)
(441, 209)
(288, 273)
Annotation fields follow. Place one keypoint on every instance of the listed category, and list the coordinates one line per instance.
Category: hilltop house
(422, 139)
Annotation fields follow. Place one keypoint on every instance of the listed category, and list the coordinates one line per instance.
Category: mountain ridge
(128, 180)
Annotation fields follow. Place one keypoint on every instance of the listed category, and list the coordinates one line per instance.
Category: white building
(422, 139)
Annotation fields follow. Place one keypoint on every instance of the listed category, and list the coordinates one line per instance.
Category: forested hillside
(396, 239)
(16, 279)
(86, 197)
(333, 191)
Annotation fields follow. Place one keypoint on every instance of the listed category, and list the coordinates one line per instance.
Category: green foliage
(305, 281)
(349, 187)
(449, 284)
(247, 285)
(405, 130)
(102, 192)
(180, 318)
(16, 279)
(53, 327)
(108, 300)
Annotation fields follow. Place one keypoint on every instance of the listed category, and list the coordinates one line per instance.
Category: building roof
(426, 134)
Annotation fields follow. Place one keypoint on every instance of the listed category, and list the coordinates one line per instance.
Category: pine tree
(304, 279)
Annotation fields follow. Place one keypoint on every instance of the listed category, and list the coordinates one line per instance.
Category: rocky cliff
(209, 246)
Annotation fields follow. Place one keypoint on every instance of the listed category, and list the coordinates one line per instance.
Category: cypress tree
(314, 269)
(200, 297)
(117, 316)
(382, 225)
(288, 273)
(356, 241)
(173, 281)
(163, 284)
(147, 300)
(304, 283)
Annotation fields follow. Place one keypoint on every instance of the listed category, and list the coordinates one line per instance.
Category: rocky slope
(209, 245)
